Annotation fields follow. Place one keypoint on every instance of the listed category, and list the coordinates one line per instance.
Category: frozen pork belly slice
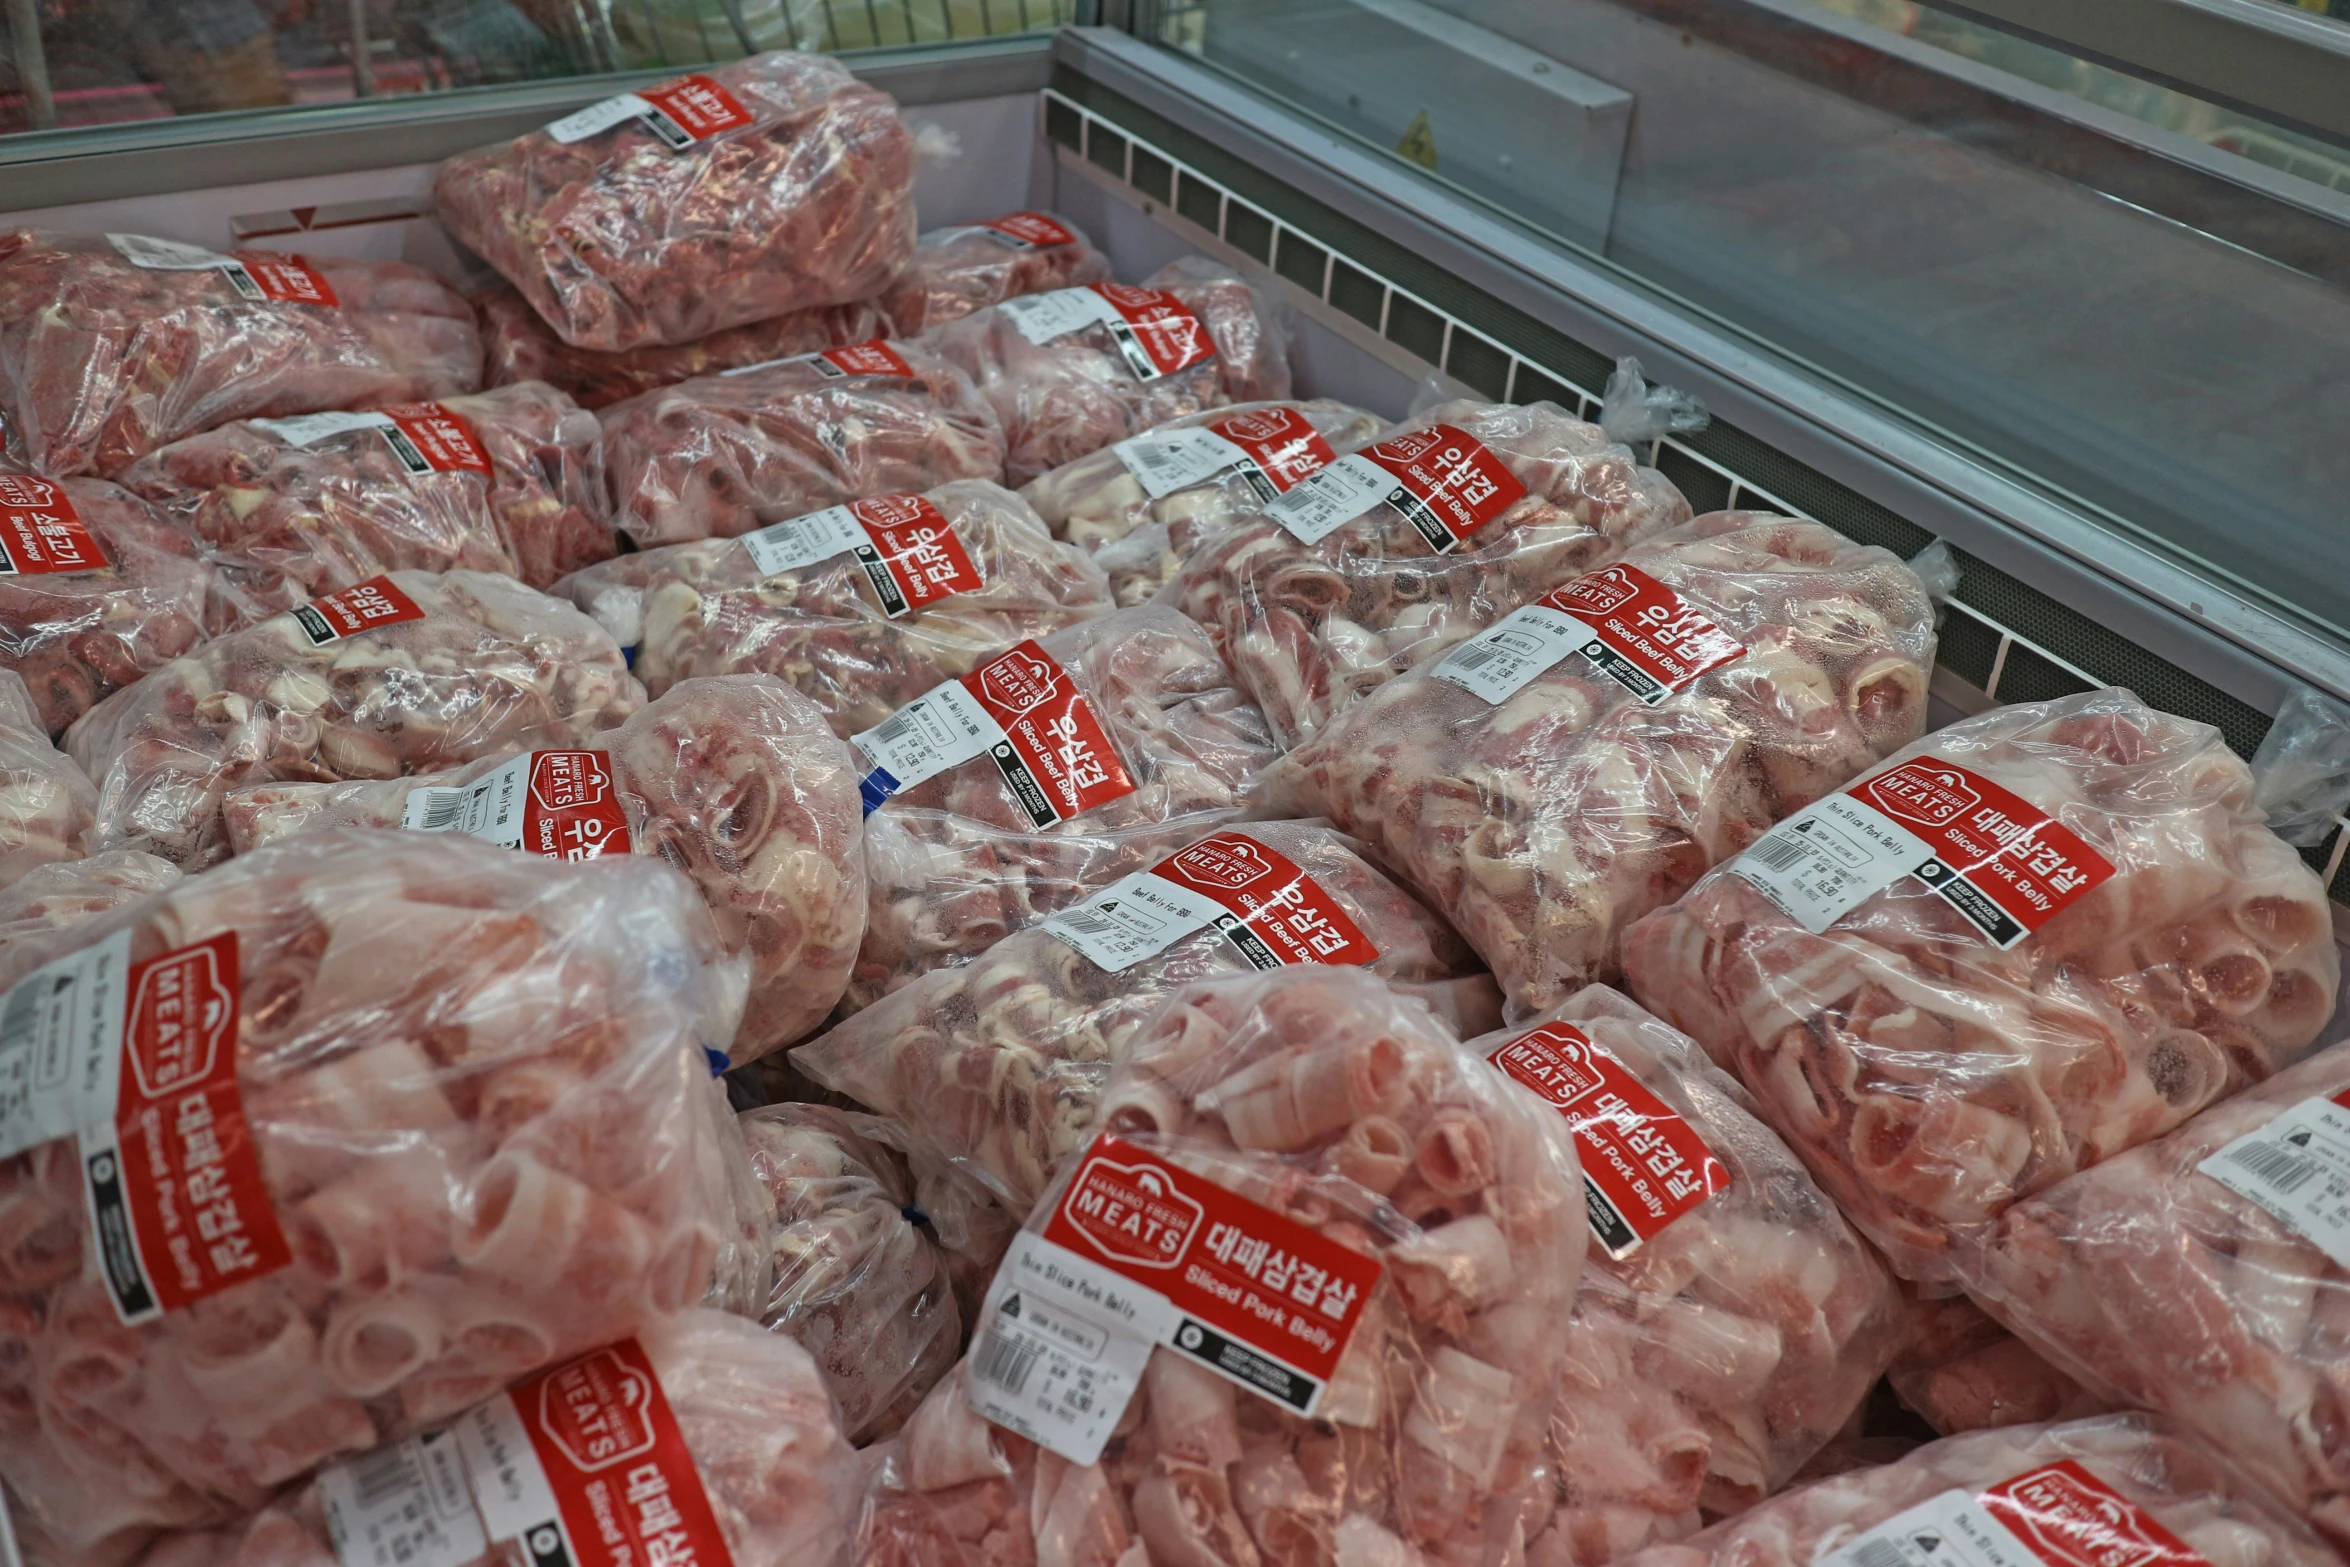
(970, 266)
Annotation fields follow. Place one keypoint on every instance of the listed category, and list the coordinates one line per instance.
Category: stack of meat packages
(794, 893)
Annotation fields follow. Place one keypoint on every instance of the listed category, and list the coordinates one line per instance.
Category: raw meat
(735, 781)
(56, 897)
(996, 1066)
(1931, 1078)
(1206, 337)
(1353, 1116)
(103, 359)
(460, 665)
(709, 608)
(957, 864)
(724, 454)
(793, 188)
(454, 1106)
(2132, 1488)
(971, 266)
(45, 800)
(1312, 628)
(1544, 817)
(1962, 1371)
(1101, 504)
(1743, 1330)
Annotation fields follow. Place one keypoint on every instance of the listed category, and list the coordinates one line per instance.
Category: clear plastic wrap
(970, 266)
(711, 608)
(45, 800)
(414, 673)
(62, 895)
(1315, 1109)
(1961, 1371)
(1545, 807)
(2119, 1488)
(103, 358)
(2166, 949)
(761, 187)
(1743, 1327)
(440, 1117)
(957, 864)
(724, 454)
(996, 1066)
(1312, 628)
(1206, 337)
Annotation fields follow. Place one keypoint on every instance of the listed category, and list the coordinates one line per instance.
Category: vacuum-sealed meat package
(114, 344)
(45, 800)
(725, 454)
(863, 607)
(409, 672)
(1071, 371)
(757, 188)
(2033, 940)
(1959, 1370)
(100, 590)
(61, 895)
(970, 266)
(1729, 1321)
(1586, 757)
(2118, 1488)
(1338, 1250)
(1392, 554)
(996, 1066)
(1100, 750)
(350, 1133)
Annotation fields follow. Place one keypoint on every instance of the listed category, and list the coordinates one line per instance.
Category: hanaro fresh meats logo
(569, 780)
(1019, 680)
(598, 1411)
(1164, 330)
(1132, 1213)
(1226, 863)
(180, 1014)
(1600, 592)
(2068, 1517)
(1923, 793)
(1554, 1061)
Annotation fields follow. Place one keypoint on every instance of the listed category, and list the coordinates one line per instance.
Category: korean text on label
(1028, 231)
(2059, 1515)
(908, 551)
(40, 532)
(1155, 333)
(690, 110)
(559, 805)
(1265, 905)
(366, 606)
(1272, 450)
(1443, 481)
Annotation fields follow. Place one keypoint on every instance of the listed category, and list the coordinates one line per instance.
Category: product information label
(424, 437)
(1155, 333)
(1272, 450)
(1140, 1253)
(2057, 1516)
(366, 606)
(905, 546)
(405, 1505)
(686, 111)
(2001, 862)
(559, 805)
(1028, 231)
(2298, 1168)
(1020, 709)
(1443, 481)
(1631, 627)
(1643, 1164)
(1269, 909)
(40, 533)
(257, 275)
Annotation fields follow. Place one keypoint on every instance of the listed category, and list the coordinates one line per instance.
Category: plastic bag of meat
(45, 800)
(1071, 371)
(863, 607)
(2115, 1489)
(1961, 1371)
(2030, 941)
(100, 591)
(996, 1066)
(59, 896)
(727, 453)
(971, 266)
(1584, 759)
(438, 1119)
(736, 781)
(1148, 504)
(113, 344)
(1394, 553)
(409, 672)
(1343, 1248)
(1729, 1321)
(764, 186)
(1101, 750)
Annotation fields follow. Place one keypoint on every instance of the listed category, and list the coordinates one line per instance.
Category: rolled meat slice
(1396, 552)
(760, 187)
(980, 850)
(59, 896)
(1961, 1371)
(1585, 759)
(2118, 1488)
(45, 800)
(409, 672)
(862, 607)
(381, 1123)
(114, 344)
(1729, 1321)
(1071, 371)
(2032, 940)
(725, 454)
(1345, 1247)
(518, 345)
(971, 266)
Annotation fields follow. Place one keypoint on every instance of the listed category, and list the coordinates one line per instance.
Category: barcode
(442, 809)
(1086, 922)
(1006, 1361)
(2282, 1168)
(1475, 656)
(23, 1011)
(894, 728)
(1151, 456)
(1776, 853)
(384, 1476)
(1875, 1553)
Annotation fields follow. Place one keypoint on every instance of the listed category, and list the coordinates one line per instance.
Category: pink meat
(620, 242)
(45, 800)
(968, 267)
(102, 361)
(57, 896)
(1961, 1371)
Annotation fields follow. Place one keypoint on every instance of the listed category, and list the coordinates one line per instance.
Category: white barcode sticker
(2298, 1168)
(1333, 498)
(1174, 460)
(1040, 318)
(1949, 1530)
(803, 541)
(1061, 1347)
(406, 1505)
(944, 727)
(599, 117)
(1137, 917)
(1827, 860)
(489, 808)
(61, 1030)
(1503, 659)
(166, 255)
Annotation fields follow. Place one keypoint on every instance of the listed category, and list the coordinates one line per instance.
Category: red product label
(1031, 228)
(288, 279)
(1643, 1165)
(1459, 483)
(39, 532)
(1659, 643)
(1989, 844)
(622, 1476)
(1058, 760)
(916, 550)
(1285, 916)
(874, 358)
(1282, 442)
(574, 811)
(1256, 1276)
(1161, 326)
(699, 107)
(2068, 1517)
(182, 1210)
(365, 606)
(444, 440)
